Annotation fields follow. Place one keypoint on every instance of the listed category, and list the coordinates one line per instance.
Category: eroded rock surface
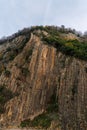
(36, 72)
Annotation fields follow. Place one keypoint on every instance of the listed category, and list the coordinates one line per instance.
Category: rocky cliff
(33, 72)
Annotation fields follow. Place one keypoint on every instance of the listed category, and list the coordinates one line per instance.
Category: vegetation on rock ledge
(5, 95)
(75, 48)
(44, 119)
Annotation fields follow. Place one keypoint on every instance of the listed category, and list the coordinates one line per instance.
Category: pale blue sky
(17, 14)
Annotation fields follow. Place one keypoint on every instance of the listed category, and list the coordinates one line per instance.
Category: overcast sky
(17, 14)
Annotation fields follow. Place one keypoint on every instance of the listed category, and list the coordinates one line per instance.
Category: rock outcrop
(36, 72)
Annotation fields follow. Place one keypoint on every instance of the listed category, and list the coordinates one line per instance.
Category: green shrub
(1, 56)
(2, 68)
(8, 49)
(5, 95)
(2, 99)
(86, 69)
(12, 56)
(70, 47)
(28, 56)
(25, 71)
(7, 73)
(41, 121)
(52, 104)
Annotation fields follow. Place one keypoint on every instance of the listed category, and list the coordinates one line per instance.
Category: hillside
(43, 80)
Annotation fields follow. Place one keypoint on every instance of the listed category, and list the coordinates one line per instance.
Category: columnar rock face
(72, 93)
(35, 74)
(33, 78)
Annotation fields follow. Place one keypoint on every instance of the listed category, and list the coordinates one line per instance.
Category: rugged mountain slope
(42, 75)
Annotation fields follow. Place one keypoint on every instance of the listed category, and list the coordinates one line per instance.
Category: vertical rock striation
(36, 72)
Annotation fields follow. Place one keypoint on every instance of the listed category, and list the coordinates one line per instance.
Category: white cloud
(17, 14)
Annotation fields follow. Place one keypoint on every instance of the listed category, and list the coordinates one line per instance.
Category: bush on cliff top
(69, 47)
